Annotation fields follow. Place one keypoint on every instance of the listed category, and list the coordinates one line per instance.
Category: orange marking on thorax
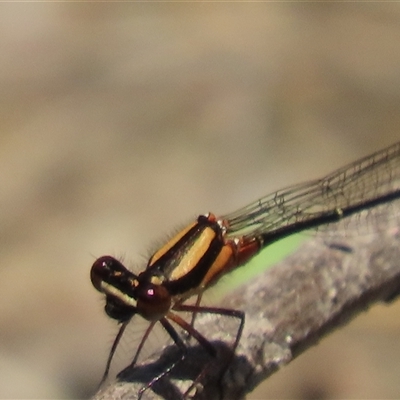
(193, 256)
(159, 253)
(222, 263)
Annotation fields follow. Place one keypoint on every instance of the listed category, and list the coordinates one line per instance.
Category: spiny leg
(220, 311)
(141, 344)
(193, 333)
(181, 345)
(112, 351)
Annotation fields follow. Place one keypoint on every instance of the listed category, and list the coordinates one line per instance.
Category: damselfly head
(128, 294)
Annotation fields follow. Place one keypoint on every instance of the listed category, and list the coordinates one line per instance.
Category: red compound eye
(105, 269)
(153, 301)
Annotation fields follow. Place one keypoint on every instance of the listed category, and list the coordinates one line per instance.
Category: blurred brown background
(121, 121)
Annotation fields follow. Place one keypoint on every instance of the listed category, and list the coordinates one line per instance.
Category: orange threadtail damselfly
(212, 246)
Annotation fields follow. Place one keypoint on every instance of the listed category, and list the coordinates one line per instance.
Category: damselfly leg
(181, 344)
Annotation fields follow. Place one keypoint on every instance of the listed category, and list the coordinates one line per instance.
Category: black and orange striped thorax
(194, 258)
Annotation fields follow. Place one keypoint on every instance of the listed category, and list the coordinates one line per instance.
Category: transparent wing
(374, 177)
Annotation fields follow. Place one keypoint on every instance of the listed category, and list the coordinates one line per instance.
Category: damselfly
(211, 246)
